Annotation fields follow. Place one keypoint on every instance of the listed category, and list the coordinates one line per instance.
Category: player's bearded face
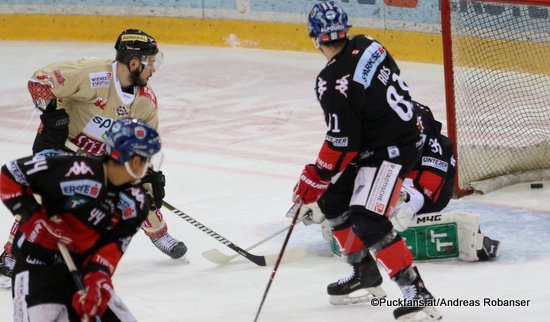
(145, 69)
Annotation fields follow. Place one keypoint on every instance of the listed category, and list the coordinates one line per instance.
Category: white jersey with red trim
(90, 92)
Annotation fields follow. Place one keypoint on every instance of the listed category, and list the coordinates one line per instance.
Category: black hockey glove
(53, 131)
(157, 181)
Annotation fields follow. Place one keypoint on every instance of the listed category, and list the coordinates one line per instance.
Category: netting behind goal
(497, 74)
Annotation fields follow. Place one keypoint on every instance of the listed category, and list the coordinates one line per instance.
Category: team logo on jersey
(100, 79)
(342, 85)
(127, 206)
(79, 168)
(121, 111)
(85, 187)
(366, 68)
(59, 77)
(321, 87)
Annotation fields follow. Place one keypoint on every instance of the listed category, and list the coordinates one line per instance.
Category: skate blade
(360, 296)
(421, 314)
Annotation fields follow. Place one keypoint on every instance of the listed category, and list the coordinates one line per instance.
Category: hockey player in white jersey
(81, 99)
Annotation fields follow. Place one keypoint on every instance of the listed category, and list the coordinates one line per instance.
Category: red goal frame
(449, 75)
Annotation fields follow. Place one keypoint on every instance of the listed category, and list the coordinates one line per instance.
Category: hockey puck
(536, 185)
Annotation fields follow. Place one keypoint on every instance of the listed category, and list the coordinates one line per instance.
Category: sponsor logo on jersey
(91, 139)
(323, 164)
(435, 163)
(339, 142)
(101, 102)
(85, 187)
(89, 145)
(79, 168)
(127, 206)
(366, 68)
(59, 77)
(16, 172)
(100, 79)
(148, 92)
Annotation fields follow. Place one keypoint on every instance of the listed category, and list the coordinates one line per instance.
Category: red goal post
(496, 57)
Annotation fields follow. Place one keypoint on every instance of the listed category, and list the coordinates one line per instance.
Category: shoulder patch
(366, 68)
(147, 91)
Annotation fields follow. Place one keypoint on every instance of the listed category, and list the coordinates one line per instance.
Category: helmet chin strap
(132, 173)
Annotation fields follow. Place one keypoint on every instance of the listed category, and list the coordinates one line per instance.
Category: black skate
(360, 287)
(418, 301)
(7, 262)
(490, 249)
(170, 246)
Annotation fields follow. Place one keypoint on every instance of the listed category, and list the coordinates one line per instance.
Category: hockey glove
(157, 181)
(46, 232)
(310, 187)
(92, 301)
(52, 132)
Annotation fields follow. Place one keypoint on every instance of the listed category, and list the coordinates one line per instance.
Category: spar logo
(127, 206)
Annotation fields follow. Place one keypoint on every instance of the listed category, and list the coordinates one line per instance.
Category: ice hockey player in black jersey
(93, 206)
(372, 126)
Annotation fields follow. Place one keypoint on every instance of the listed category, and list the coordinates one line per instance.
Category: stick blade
(290, 255)
(215, 256)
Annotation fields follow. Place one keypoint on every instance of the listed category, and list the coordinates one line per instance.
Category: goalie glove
(310, 186)
(92, 301)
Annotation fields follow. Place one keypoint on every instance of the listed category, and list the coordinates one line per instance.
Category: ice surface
(237, 126)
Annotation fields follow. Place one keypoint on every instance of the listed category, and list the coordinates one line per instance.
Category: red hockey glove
(310, 187)
(46, 232)
(93, 300)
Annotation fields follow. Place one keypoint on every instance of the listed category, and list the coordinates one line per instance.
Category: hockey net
(497, 79)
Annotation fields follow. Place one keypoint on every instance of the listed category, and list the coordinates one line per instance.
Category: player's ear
(134, 63)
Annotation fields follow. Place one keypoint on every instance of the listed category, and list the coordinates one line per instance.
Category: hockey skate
(360, 287)
(7, 262)
(490, 249)
(170, 246)
(417, 306)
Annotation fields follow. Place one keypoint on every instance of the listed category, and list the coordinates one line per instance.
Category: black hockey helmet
(135, 43)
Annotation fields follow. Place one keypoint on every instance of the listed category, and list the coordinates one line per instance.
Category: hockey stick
(281, 253)
(74, 272)
(258, 260)
(218, 257)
